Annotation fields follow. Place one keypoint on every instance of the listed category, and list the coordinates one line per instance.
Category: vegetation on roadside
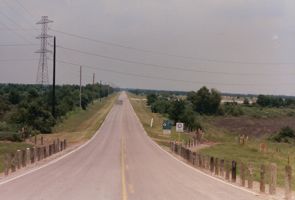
(264, 124)
(28, 107)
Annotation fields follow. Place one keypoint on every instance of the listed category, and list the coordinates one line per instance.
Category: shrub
(285, 135)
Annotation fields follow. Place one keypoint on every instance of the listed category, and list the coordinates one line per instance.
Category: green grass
(258, 112)
(10, 147)
(145, 115)
(229, 149)
(80, 125)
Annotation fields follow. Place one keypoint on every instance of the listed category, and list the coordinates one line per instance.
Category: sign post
(179, 129)
(167, 125)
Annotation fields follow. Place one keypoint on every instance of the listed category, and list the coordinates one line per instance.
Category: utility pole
(93, 88)
(93, 79)
(100, 91)
(53, 83)
(80, 86)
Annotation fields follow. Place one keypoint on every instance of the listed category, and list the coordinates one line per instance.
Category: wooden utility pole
(100, 91)
(93, 79)
(80, 86)
(53, 83)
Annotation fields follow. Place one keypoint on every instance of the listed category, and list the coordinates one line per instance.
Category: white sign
(152, 122)
(179, 127)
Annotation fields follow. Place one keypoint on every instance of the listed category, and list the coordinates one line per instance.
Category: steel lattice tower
(42, 74)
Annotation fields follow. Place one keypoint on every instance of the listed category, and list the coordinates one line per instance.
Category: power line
(14, 10)
(25, 9)
(18, 60)
(163, 66)
(23, 29)
(218, 61)
(16, 33)
(16, 45)
(161, 78)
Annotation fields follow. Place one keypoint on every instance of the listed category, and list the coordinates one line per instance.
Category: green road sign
(167, 125)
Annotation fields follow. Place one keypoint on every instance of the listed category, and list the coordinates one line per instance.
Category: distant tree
(204, 101)
(246, 101)
(162, 106)
(14, 97)
(151, 98)
(177, 110)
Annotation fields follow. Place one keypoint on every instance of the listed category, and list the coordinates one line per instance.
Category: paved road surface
(120, 162)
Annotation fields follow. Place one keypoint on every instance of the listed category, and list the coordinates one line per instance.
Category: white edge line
(187, 165)
(60, 158)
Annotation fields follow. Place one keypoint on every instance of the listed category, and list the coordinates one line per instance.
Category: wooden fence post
(288, 182)
(24, 158)
(28, 156)
(211, 165)
(38, 154)
(242, 174)
(250, 173)
(18, 159)
(222, 168)
(227, 170)
(7, 164)
(54, 147)
(216, 166)
(234, 171)
(262, 178)
(13, 162)
(273, 178)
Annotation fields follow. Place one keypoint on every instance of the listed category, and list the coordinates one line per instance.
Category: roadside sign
(179, 127)
(167, 126)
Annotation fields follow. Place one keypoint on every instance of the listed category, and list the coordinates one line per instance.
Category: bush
(285, 135)
(3, 126)
(231, 109)
(10, 136)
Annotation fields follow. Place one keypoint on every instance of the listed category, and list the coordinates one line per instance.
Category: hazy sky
(245, 46)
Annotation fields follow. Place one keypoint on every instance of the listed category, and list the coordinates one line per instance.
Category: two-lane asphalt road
(120, 162)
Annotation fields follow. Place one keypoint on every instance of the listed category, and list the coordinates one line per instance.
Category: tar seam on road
(57, 159)
(123, 176)
(185, 164)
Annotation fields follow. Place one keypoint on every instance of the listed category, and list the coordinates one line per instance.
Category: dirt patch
(253, 126)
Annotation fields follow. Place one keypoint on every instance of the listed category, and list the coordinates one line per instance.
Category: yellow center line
(124, 191)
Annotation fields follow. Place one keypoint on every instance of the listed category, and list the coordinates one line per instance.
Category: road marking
(185, 164)
(60, 158)
(123, 179)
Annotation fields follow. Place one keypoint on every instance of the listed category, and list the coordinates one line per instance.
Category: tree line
(30, 106)
(181, 109)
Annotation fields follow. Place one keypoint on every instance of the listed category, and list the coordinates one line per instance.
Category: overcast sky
(244, 46)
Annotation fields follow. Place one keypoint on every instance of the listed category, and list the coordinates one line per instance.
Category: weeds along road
(120, 162)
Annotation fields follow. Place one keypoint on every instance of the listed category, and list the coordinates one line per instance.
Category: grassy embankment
(80, 125)
(229, 149)
(227, 146)
(77, 127)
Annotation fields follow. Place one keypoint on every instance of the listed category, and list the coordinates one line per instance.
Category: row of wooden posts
(22, 158)
(228, 170)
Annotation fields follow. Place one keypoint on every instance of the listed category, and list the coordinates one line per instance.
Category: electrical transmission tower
(42, 74)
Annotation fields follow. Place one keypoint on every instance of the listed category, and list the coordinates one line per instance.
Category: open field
(256, 127)
(225, 131)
